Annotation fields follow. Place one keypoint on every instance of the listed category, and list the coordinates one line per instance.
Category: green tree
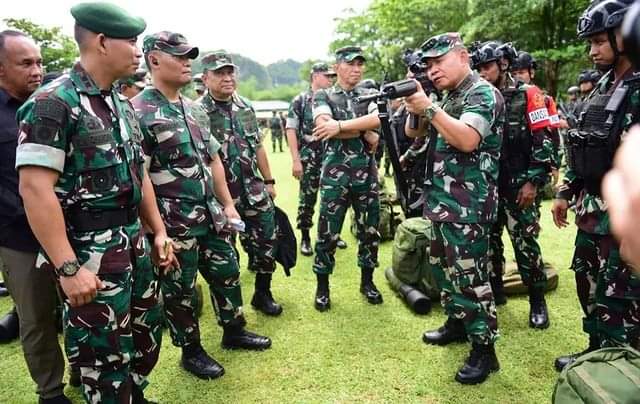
(284, 72)
(58, 50)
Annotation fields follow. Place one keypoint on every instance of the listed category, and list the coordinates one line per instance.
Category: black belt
(94, 220)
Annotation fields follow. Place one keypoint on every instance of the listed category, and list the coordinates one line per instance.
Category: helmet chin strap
(614, 45)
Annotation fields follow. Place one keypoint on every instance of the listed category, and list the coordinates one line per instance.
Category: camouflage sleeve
(570, 187)
(213, 145)
(321, 104)
(149, 140)
(541, 158)
(633, 112)
(479, 109)
(45, 126)
(418, 147)
(294, 115)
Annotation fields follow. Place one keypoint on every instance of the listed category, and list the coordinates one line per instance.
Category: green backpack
(410, 261)
(608, 375)
(390, 217)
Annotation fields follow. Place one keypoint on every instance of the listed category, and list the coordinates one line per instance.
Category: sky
(265, 31)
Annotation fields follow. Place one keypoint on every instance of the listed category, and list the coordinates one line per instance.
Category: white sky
(266, 31)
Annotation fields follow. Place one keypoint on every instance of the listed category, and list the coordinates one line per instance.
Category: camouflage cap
(349, 53)
(139, 79)
(217, 60)
(439, 45)
(108, 19)
(171, 43)
(322, 68)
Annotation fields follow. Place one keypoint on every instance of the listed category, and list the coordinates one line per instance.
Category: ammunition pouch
(590, 158)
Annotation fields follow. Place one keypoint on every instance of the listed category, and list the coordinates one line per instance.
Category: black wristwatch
(68, 268)
(270, 182)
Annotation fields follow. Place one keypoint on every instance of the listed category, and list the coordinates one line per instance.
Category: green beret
(439, 45)
(349, 53)
(108, 19)
(217, 60)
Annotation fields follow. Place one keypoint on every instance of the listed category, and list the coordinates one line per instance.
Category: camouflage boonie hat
(139, 79)
(171, 43)
(217, 60)
(349, 53)
(322, 68)
(439, 45)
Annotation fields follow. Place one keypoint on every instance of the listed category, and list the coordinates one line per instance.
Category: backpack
(409, 258)
(608, 375)
(513, 282)
(390, 217)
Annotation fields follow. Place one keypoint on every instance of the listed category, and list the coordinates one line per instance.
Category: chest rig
(517, 140)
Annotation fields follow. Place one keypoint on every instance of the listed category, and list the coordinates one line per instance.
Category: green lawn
(355, 352)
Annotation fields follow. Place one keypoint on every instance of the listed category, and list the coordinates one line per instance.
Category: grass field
(355, 352)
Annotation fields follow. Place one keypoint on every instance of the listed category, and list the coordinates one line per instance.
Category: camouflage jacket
(464, 186)
(91, 137)
(339, 104)
(300, 118)
(276, 125)
(235, 127)
(179, 148)
(527, 153)
(591, 210)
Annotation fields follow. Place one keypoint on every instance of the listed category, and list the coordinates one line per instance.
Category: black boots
(368, 288)
(9, 326)
(197, 362)
(341, 244)
(3, 290)
(538, 314)
(565, 360)
(61, 399)
(305, 243)
(451, 331)
(497, 286)
(236, 337)
(74, 376)
(481, 362)
(137, 396)
(322, 302)
(262, 298)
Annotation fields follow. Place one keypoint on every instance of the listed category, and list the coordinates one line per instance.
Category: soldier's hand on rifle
(327, 129)
(526, 195)
(81, 288)
(372, 138)
(296, 169)
(559, 212)
(163, 253)
(418, 101)
(271, 189)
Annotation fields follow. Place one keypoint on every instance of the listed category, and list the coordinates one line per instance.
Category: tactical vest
(340, 107)
(593, 144)
(517, 141)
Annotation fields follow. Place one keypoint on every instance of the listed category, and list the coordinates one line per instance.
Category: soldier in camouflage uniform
(132, 85)
(233, 124)
(607, 289)
(306, 150)
(84, 187)
(525, 164)
(276, 131)
(185, 169)
(349, 174)
(461, 190)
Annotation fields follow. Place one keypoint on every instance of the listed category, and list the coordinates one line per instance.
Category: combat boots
(368, 288)
(305, 243)
(196, 361)
(323, 301)
(538, 313)
(565, 360)
(137, 395)
(497, 286)
(341, 244)
(452, 331)
(9, 326)
(61, 399)
(481, 362)
(262, 298)
(236, 337)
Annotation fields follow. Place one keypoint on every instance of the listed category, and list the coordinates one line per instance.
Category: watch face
(70, 268)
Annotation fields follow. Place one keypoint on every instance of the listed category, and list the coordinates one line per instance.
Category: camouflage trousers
(276, 137)
(213, 256)
(608, 291)
(308, 195)
(523, 226)
(259, 237)
(458, 258)
(115, 340)
(341, 187)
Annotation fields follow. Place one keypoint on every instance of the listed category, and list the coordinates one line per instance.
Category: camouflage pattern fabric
(441, 44)
(276, 132)
(300, 118)
(458, 259)
(93, 140)
(461, 201)
(234, 126)
(527, 156)
(179, 149)
(607, 289)
(349, 177)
